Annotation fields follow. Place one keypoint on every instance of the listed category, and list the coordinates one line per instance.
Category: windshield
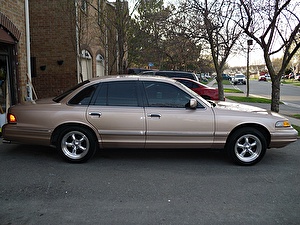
(240, 76)
(63, 95)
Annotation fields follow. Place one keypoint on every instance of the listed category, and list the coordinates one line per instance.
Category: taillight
(11, 118)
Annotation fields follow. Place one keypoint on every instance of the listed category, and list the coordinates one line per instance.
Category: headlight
(285, 123)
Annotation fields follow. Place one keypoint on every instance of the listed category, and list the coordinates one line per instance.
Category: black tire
(246, 146)
(76, 144)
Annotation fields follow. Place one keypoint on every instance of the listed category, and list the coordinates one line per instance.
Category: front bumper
(283, 138)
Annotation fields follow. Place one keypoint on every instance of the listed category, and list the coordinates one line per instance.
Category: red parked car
(206, 92)
(262, 78)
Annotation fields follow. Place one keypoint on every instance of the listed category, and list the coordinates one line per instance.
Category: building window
(100, 68)
(86, 65)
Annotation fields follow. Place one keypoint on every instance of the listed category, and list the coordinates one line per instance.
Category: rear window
(63, 95)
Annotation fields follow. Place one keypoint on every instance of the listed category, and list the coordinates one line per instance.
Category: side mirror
(193, 103)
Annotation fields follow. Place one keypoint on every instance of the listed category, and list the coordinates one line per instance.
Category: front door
(170, 123)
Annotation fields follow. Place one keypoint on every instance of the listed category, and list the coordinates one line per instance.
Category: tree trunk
(220, 86)
(275, 94)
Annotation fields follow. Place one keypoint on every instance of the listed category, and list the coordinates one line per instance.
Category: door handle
(95, 114)
(154, 115)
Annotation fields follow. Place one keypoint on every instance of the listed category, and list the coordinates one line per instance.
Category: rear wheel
(246, 146)
(76, 144)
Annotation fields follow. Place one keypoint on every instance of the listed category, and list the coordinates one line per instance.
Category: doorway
(5, 81)
(3, 88)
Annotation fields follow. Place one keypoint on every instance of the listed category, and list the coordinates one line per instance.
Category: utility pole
(249, 42)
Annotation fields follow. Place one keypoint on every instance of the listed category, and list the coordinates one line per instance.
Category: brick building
(70, 41)
(12, 54)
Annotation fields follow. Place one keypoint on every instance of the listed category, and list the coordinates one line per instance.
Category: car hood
(238, 107)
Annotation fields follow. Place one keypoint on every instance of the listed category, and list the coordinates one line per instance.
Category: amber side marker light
(11, 118)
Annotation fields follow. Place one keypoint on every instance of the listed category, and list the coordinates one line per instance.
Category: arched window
(86, 65)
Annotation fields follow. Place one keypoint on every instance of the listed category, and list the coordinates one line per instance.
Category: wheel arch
(56, 133)
(259, 127)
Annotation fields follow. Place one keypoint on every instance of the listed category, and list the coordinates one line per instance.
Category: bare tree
(213, 21)
(274, 25)
(113, 22)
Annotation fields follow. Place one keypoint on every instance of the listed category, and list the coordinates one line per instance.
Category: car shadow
(44, 153)
(164, 155)
(30, 151)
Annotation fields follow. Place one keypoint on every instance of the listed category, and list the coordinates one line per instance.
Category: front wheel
(246, 146)
(76, 144)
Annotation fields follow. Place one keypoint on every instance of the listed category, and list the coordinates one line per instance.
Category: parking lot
(148, 187)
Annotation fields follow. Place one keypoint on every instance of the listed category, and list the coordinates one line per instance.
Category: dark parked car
(206, 92)
(172, 74)
(145, 112)
(226, 77)
(136, 71)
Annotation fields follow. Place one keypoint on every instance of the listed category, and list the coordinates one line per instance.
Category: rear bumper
(14, 134)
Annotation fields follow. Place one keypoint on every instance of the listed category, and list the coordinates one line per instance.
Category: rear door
(170, 124)
(118, 115)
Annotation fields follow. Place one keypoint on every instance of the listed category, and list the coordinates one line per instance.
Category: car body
(239, 79)
(202, 78)
(291, 76)
(144, 112)
(208, 76)
(262, 78)
(206, 92)
(268, 77)
(172, 74)
(226, 77)
(135, 71)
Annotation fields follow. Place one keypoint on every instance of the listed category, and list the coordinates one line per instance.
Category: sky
(255, 55)
(255, 58)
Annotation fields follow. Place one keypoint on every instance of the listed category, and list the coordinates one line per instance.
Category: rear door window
(120, 93)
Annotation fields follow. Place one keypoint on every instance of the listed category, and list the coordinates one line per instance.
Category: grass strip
(249, 99)
(297, 116)
(232, 90)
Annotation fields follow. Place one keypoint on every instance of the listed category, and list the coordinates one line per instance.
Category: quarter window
(83, 97)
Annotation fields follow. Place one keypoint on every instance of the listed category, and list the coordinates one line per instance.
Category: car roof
(130, 77)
